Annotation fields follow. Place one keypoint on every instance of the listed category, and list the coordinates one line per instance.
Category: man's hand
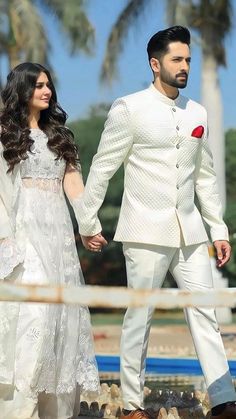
(223, 252)
(94, 243)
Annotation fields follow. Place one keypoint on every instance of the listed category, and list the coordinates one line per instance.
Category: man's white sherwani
(164, 167)
(159, 224)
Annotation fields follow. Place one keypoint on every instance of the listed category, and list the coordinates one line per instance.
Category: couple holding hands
(47, 358)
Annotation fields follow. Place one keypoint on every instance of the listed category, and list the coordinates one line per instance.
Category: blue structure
(186, 366)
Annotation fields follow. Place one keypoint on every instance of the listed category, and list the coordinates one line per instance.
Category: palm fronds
(73, 21)
(117, 38)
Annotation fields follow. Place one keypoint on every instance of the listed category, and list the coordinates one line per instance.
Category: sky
(78, 77)
(78, 83)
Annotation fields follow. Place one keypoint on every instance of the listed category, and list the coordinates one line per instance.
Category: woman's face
(42, 94)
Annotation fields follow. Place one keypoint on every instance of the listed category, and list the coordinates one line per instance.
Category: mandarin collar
(163, 98)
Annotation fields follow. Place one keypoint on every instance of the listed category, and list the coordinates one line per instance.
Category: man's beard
(176, 81)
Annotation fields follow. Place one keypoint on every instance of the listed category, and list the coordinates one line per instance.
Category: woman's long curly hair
(14, 118)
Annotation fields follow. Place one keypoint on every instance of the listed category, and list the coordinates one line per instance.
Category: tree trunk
(211, 99)
(13, 57)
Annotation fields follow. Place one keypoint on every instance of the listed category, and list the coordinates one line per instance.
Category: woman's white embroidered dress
(43, 347)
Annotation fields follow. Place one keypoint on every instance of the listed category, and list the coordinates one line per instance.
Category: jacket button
(177, 128)
(177, 146)
(177, 165)
(177, 186)
(173, 109)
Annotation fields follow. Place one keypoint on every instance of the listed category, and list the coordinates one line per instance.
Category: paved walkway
(167, 341)
(173, 341)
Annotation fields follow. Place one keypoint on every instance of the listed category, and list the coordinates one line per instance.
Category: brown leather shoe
(229, 412)
(136, 414)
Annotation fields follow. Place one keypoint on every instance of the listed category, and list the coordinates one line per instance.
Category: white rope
(116, 297)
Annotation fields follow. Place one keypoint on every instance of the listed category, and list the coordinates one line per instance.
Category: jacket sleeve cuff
(90, 230)
(88, 225)
(219, 233)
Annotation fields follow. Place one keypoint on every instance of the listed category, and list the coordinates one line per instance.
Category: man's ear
(155, 65)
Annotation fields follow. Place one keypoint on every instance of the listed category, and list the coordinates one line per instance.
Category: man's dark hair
(159, 43)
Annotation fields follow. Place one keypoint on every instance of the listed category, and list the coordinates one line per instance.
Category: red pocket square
(198, 132)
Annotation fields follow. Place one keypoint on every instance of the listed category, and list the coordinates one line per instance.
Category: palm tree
(212, 19)
(23, 35)
(117, 38)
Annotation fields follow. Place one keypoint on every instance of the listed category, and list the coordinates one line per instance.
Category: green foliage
(230, 160)
(230, 214)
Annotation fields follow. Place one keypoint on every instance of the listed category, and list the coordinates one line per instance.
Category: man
(161, 137)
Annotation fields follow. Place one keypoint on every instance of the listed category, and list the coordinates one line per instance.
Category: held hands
(223, 252)
(94, 243)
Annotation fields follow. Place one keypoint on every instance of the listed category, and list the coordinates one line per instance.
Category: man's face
(174, 65)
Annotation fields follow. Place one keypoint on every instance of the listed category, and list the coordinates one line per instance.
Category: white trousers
(146, 267)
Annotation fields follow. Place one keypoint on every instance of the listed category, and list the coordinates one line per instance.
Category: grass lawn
(160, 317)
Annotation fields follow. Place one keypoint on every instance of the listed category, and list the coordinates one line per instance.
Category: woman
(46, 350)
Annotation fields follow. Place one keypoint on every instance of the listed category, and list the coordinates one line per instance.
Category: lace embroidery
(41, 162)
(10, 256)
(8, 320)
(53, 185)
(33, 334)
(51, 344)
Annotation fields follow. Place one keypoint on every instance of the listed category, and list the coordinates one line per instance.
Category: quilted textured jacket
(165, 166)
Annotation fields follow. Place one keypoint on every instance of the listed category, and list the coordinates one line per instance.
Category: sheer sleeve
(74, 187)
(10, 254)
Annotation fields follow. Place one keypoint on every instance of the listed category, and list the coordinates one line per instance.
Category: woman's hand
(94, 243)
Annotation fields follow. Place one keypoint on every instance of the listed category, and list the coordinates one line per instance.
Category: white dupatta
(10, 253)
